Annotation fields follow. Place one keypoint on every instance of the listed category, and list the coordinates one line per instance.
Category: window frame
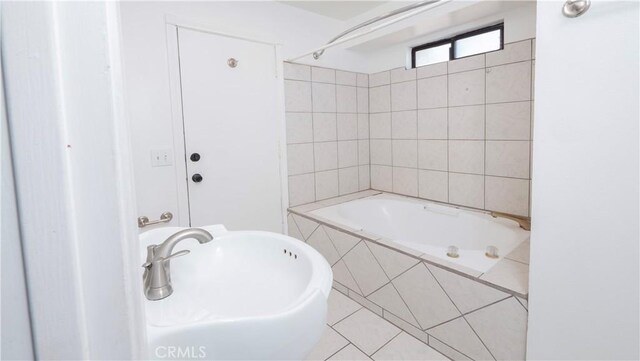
(453, 39)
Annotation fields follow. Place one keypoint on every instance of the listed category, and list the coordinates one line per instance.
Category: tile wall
(327, 117)
(457, 132)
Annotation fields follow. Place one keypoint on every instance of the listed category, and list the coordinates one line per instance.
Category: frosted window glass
(436, 54)
(477, 44)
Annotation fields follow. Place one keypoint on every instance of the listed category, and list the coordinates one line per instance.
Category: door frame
(74, 185)
(172, 24)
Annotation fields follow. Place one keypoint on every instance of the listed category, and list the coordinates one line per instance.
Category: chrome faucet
(157, 276)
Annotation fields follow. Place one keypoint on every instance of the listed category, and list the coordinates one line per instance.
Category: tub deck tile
(509, 274)
(307, 207)
(456, 267)
(521, 253)
(347, 198)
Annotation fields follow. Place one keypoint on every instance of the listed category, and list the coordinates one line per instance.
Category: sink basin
(244, 295)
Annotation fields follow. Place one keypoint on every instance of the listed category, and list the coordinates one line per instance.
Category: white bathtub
(430, 228)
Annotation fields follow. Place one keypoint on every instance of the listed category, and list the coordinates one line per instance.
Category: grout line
(335, 94)
(515, 260)
(408, 308)
(470, 312)
(484, 164)
(296, 225)
(313, 138)
(334, 245)
(400, 275)
(347, 316)
(522, 304)
(479, 338)
(448, 108)
(404, 331)
(346, 338)
(451, 347)
(386, 343)
(343, 347)
(348, 270)
(391, 125)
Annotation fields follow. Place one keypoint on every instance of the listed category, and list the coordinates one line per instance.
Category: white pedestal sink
(244, 295)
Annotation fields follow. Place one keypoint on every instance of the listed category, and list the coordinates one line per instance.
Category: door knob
(196, 178)
(195, 157)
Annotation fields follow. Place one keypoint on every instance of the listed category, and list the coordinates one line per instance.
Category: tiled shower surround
(457, 132)
(327, 116)
(459, 316)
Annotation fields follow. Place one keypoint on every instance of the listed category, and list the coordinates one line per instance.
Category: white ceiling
(339, 10)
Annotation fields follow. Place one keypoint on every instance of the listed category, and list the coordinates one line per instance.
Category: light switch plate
(161, 157)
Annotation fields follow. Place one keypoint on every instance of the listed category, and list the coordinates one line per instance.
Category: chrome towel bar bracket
(144, 221)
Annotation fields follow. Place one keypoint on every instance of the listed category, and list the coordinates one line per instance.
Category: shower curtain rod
(342, 38)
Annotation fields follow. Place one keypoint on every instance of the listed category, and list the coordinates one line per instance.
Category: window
(474, 42)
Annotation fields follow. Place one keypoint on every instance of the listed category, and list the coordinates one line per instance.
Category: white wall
(584, 249)
(147, 77)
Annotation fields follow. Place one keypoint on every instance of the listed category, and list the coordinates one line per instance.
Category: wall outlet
(161, 157)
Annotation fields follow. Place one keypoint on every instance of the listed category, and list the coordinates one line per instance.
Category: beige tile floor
(355, 333)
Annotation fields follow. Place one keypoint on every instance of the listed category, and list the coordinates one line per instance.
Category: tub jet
(491, 252)
(452, 252)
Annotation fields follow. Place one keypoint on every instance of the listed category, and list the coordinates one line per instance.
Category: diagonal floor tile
(388, 298)
(405, 347)
(342, 275)
(365, 269)
(503, 328)
(343, 242)
(305, 225)
(393, 263)
(321, 242)
(349, 353)
(467, 294)
(329, 344)
(459, 335)
(425, 298)
(366, 330)
(340, 306)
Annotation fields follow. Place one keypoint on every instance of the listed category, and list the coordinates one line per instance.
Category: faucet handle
(177, 254)
(162, 259)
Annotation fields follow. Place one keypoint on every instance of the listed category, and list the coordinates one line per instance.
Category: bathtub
(430, 228)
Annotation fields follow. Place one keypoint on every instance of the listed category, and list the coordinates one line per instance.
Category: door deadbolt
(195, 157)
(197, 178)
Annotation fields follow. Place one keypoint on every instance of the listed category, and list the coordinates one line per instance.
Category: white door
(584, 242)
(232, 131)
